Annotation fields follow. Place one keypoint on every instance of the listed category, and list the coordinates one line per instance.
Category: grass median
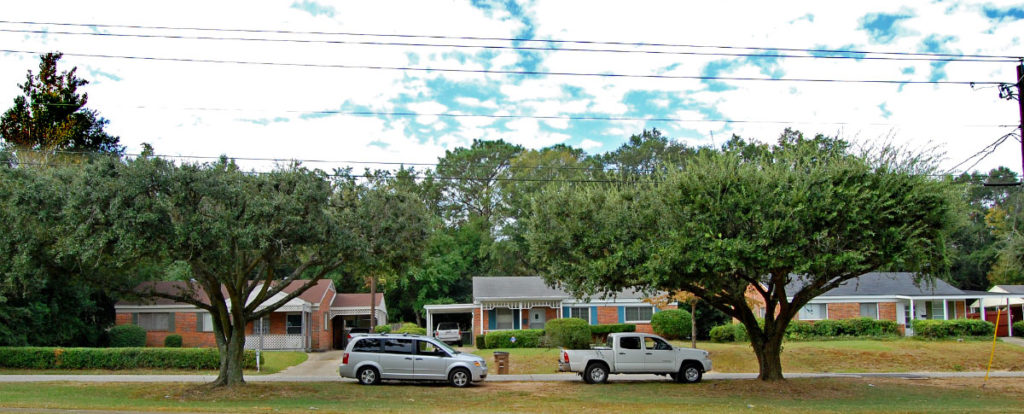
(845, 356)
(794, 396)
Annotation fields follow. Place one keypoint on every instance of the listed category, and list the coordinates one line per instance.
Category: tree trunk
(232, 358)
(769, 356)
(693, 324)
(373, 302)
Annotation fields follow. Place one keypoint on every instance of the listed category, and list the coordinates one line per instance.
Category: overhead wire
(512, 39)
(830, 55)
(514, 72)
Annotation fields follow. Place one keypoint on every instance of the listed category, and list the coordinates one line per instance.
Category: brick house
(318, 319)
(890, 296)
(526, 302)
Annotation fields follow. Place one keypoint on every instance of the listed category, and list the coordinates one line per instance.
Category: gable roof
(529, 287)
(175, 287)
(1009, 288)
(883, 284)
(355, 300)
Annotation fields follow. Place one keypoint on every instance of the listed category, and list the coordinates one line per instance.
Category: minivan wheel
(460, 377)
(368, 376)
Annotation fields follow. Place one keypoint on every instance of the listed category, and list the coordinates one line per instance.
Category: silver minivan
(373, 357)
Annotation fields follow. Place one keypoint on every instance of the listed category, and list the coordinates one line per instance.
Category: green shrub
(382, 329)
(723, 333)
(123, 336)
(672, 323)
(525, 338)
(172, 341)
(411, 328)
(115, 358)
(1018, 328)
(611, 328)
(867, 327)
(800, 330)
(826, 327)
(568, 333)
(931, 328)
(481, 341)
(740, 332)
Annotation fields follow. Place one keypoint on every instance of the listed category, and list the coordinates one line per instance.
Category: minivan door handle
(408, 358)
(419, 359)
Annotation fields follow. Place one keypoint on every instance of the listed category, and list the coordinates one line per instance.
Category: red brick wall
(476, 322)
(644, 328)
(887, 311)
(843, 310)
(607, 314)
(524, 318)
(184, 325)
(551, 313)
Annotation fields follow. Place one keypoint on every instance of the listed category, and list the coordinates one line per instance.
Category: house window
(639, 313)
(293, 324)
(869, 310)
(813, 311)
(261, 325)
(504, 318)
(155, 321)
(205, 322)
(937, 311)
(582, 313)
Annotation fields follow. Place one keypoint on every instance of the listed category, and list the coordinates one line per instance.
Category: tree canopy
(792, 220)
(51, 114)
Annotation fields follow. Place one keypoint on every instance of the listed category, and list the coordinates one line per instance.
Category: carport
(448, 309)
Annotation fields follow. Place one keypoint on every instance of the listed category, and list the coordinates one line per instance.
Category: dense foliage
(823, 329)
(173, 341)
(954, 328)
(524, 338)
(672, 323)
(804, 213)
(411, 328)
(127, 336)
(115, 358)
(568, 333)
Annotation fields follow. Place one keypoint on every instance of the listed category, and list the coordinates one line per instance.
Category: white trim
(626, 320)
(186, 308)
(824, 317)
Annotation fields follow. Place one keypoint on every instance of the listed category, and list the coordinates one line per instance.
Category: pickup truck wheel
(690, 373)
(460, 377)
(596, 373)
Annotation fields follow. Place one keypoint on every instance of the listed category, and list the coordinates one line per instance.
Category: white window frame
(866, 316)
(638, 308)
(579, 309)
(804, 317)
(498, 319)
(153, 317)
(327, 321)
(286, 326)
(261, 325)
(207, 322)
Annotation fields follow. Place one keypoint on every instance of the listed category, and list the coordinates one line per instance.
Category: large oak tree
(805, 210)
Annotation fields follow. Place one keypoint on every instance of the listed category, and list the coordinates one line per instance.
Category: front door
(538, 316)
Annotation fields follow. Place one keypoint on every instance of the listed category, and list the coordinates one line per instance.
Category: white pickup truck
(635, 353)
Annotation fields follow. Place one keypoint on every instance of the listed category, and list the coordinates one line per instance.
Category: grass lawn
(273, 362)
(795, 396)
(867, 355)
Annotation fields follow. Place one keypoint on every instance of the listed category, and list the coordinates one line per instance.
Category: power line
(519, 40)
(539, 117)
(513, 72)
(984, 153)
(520, 48)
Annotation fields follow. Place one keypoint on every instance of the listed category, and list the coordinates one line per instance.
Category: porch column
(981, 307)
(1009, 319)
(945, 310)
(481, 318)
(430, 323)
(910, 322)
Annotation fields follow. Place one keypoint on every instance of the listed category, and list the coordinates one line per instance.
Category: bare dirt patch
(1002, 385)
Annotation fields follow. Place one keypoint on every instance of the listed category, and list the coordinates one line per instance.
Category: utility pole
(1020, 105)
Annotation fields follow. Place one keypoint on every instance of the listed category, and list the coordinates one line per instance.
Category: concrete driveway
(319, 364)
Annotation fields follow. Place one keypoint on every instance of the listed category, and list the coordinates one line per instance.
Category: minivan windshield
(445, 347)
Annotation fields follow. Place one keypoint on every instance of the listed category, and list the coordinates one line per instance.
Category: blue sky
(288, 112)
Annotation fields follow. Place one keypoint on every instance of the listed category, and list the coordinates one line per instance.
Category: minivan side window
(428, 348)
(398, 346)
(367, 345)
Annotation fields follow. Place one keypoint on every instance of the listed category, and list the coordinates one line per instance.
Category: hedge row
(412, 329)
(929, 328)
(611, 328)
(1018, 328)
(827, 328)
(525, 338)
(568, 333)
(114, 358)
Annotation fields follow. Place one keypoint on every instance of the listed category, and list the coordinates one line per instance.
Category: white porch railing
(276, 342)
